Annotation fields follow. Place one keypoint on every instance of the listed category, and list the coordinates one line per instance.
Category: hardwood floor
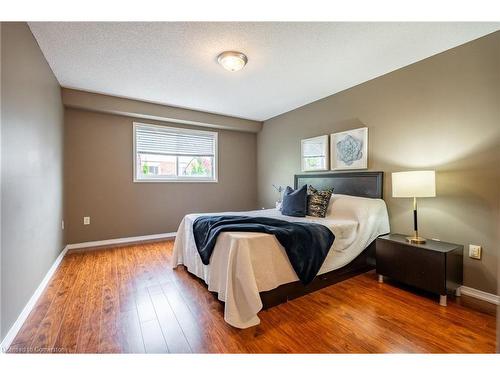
(128, 299)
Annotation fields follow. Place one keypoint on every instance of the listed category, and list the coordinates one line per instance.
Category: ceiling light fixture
(232, 61)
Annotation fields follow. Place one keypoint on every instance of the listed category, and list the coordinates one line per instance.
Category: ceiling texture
(289, 64)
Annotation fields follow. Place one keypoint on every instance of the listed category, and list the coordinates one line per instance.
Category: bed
(250, 271)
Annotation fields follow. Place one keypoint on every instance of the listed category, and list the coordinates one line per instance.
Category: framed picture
(314, 154)
(349, 149)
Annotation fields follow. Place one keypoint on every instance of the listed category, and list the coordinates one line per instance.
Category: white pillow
(349, 206)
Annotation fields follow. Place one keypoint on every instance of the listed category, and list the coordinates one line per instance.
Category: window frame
(176, 179)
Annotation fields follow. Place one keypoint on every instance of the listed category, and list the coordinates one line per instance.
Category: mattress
(244, 264)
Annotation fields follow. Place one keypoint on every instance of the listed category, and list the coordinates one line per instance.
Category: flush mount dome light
(232, 61)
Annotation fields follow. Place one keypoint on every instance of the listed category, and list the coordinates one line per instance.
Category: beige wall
(31, 169)
(99, 181)
(498, 289)
(441, 113)
(151, 111)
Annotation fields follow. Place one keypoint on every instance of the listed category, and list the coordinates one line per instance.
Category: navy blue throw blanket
(306, 244)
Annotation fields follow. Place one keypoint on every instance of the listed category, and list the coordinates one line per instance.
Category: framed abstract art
(314, 154)
(349, 149)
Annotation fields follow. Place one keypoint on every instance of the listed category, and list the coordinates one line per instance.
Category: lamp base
(417, 240)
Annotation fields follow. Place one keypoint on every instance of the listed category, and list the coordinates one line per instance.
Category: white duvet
(244, 264)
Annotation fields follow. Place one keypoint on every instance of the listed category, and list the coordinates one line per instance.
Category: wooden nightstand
(435, 266)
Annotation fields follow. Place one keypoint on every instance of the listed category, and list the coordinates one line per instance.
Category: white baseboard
(115, 241)
(11, 334)
(13, 331)
(479, 294)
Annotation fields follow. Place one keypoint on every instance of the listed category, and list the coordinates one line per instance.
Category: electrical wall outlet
(86, 220)
(475, 251)
(62, 224)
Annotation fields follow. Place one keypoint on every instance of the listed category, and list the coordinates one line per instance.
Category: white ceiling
(290, 64)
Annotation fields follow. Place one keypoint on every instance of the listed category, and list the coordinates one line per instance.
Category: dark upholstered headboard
(361, 184)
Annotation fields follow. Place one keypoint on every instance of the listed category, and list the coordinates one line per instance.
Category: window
(173, 154)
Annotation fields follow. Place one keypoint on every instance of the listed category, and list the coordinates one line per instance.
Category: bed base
(364, 262)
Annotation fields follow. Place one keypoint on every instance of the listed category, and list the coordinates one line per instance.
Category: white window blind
(174, 154)
(169, 141)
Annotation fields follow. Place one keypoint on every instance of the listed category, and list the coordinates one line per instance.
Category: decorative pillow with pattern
(317, 201)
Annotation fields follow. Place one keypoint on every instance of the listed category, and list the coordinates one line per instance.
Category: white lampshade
(414, 184)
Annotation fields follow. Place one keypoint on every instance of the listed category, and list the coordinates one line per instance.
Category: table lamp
(414, 184)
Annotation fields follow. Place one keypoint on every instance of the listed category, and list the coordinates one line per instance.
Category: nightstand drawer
(413, 266)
